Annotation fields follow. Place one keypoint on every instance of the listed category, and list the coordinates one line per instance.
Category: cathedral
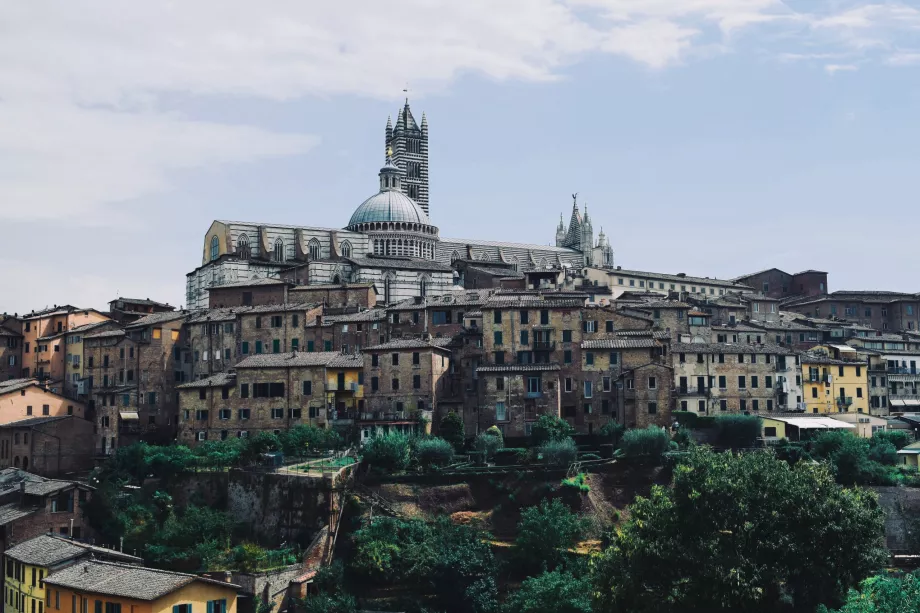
(389, 240)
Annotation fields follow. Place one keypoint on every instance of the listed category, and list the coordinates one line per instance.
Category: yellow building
(73, 360)
(833, 385)
(345, 388)
(28, 563)
(108, 587)
(910, 456)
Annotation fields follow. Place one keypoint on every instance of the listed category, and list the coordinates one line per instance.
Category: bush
(611, 432)
(511, 455)
(551, 592)
(738, 431)
(578, 482)
(433, 452)
(899, 438)
(487, 444)
(648, 445)
(550, 428)
(387, 452)
(886, 593)
(451, 429)
(559, 453)
(330, 603)
(546, 533)
(306, 438)
(883, 452)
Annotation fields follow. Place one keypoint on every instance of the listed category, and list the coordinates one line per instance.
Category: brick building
(274, 328)
(346, 333)
(10, 347)
(31, 505)
(884, 311)
(47, 446)
(513, 397)
(43, 332)
(776, 283)
(437, 316)
(714, 378)
(127, 310)
(404, 381)
(73, 360)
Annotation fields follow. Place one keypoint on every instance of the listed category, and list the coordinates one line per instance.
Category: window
(652, 383)
(566, 336)
(307, 388)
(157, 333)
(755, 404)
(394, 359)
(742, 404)
(224, 414)
(589, 389)
(152, 398)
(768, 382)
(277, 413)
(394, 385)
(755, 381)
(245, 348)
(544, 317)
(497, 316)
(244, 414)
(499, 383)
(276, 345)
(742, 382)
(201, 415)
(244, 390)
(652, 408)
(608, 326)
(859, 393)
(723, 405)
(525, 337)
(258, 346)
(497, 337)
(568, 384)
(614, 358)
(589, 358)
(525, 317)
(741, 358)
(501, 412)
(375, 384)
(295, 413)
(416, 382)
(416, 358)
(533, 385)
(589, 326)
(567, 356)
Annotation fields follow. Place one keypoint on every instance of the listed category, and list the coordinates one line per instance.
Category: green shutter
(210, 606)
(245, 352)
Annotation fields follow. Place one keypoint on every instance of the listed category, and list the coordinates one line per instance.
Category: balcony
(347, 387)
(844, 402)
(388, 416)
(687, 391)
(533, 394)
(544, 346)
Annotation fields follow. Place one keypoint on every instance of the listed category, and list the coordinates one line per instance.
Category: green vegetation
(559, 452)
(899, 438)
(884, 594)
(859, 461)
(452, 563)
(738, 431)
(433, 451)
(611, 432)
(545, 535)
(689, 419)
(451, 430)
(578, 482)
(648, 445)
(388, 452)
(551, 592)
(489, 442)
(741, 533)
(549, 428)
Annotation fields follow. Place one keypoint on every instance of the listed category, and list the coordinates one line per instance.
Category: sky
(711, 137)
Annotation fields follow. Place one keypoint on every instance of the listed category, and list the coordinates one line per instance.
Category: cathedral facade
(388, 241)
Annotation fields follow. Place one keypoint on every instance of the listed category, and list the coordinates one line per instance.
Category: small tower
(409, 143)
(560, 232)
(587, 239)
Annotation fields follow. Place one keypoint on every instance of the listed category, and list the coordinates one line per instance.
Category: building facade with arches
(388, 241)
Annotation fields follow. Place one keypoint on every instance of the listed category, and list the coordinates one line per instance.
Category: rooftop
(677, 278)
(292, 359)
(518, 368)
(621, 343)
(747, 348)
(144, 302)
(158, 318)
(48, 550)
(221, 379)
(124, 581)
(408, 343)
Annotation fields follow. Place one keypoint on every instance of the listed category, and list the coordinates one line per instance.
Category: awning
(904, 402)
(129, 415)
(812, 423)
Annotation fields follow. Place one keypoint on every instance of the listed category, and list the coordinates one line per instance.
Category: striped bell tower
(408, 142)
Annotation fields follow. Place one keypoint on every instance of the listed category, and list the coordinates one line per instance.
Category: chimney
(228, 576)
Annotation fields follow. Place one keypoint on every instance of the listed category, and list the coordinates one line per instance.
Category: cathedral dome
(389, 205)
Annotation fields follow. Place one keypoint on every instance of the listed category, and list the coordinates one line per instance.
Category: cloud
(832, 69)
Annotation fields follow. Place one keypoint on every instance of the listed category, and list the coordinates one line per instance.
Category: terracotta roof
(346, 361)
(12, 511)
(518, 368)
(15, 385)
(48, 550)
(289, 359)
(620, 343)
(814, 358)
(221, 379)
(106, 334)
(409, 343)
(158, 318)
(34, 421)
(143, 301)
(124, 581)
(220, 314)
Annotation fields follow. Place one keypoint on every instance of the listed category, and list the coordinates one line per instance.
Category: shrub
(487, 444)
(612, 432)
(451, 430)
(550, 428)
(433, 452)
(559, 453)
(578, 482)
(511, 455)
(546, 533)
(306, 438)
(551, 592)
(738, 431)
(387, 452)
(883, 452)
(330, 603)
(682, 438)
(647, 445)
(899, 438)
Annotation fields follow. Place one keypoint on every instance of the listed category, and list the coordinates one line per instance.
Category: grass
(325, 464)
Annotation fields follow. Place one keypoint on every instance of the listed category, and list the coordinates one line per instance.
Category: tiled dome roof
(389, 205)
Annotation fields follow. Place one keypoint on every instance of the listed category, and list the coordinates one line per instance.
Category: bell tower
(409, 143)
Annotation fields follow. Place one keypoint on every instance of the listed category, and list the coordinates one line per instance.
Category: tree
(546, 533)
(561, 452)
(451, 429)
(884, 594)
(433, 452)
(487, 444)
(741, 533)
(899, 438)
(550, 428)
(612, 432)
(552, 592)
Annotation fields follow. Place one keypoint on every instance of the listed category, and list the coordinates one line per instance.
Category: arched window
(336, 279)
(242, 247)
(346, 249)
(423, 282)
(215, 247)
(514, 263)
(314, 249)
(278, 253)
(386, 289)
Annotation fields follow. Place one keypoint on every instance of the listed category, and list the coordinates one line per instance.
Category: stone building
(884, 311)
(273, 392)
(514, 396)
(404, 382)
(10, 347)
(346, 333)
(714, 378)
(778, 284)
(437, 316)
(127, 310)
(31, 505)
(646, 401)
(74, 386)
(52, 446)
